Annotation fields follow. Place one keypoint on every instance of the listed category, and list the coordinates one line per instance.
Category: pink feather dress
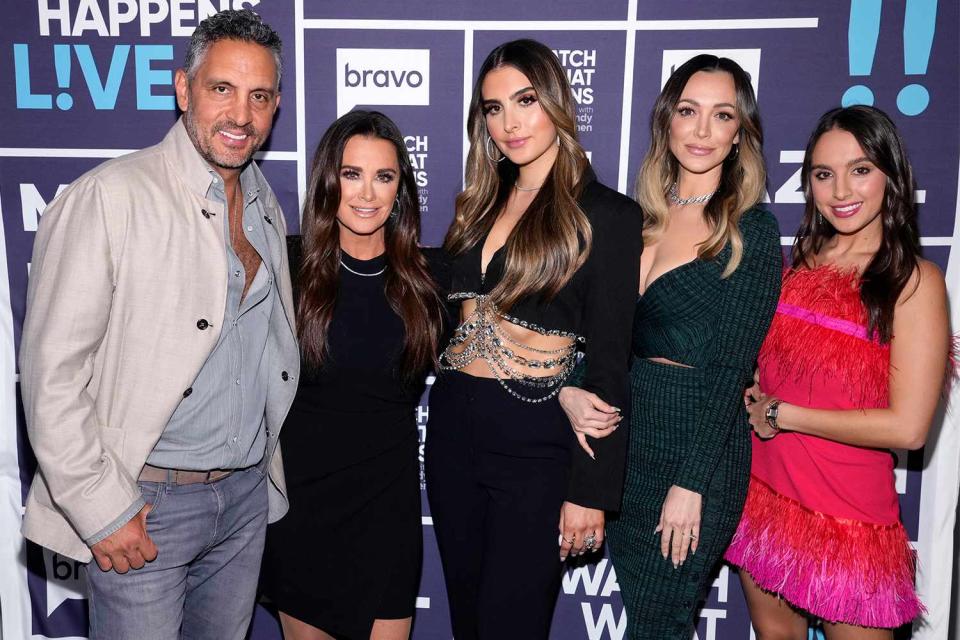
(821, 526)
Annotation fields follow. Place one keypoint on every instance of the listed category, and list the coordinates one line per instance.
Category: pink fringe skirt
(839, 570)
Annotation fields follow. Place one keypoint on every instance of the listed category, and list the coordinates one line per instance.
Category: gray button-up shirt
(219, 424)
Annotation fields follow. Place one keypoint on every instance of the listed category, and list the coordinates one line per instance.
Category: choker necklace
(365, 275)
(519, 188)
(677, 200)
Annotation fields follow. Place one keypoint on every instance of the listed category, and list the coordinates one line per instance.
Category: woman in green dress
(709, 283)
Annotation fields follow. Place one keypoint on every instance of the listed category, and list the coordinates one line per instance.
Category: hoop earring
(395, 211)
(819, 219)
(486, 148)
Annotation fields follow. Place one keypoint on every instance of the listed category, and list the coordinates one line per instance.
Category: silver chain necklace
(677, 200)
(519, 188)
(365, 275)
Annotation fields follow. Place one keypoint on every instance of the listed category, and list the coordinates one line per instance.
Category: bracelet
(770, 415)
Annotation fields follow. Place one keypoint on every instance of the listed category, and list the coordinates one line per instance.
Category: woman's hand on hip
(588, 415)
(679, 525)
(581, 530)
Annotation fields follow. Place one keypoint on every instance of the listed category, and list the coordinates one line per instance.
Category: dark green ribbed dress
(688, 426)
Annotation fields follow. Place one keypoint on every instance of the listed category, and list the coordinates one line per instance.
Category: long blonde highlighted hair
(742, 179)
(552, 239)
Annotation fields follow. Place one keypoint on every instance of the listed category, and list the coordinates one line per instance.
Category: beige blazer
(126, 262)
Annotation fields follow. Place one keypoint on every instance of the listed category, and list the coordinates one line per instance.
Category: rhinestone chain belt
(483, 338)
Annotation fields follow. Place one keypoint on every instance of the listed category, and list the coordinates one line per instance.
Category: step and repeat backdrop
(86, 80)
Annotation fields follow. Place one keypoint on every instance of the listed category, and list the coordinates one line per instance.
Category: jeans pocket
(153, 494)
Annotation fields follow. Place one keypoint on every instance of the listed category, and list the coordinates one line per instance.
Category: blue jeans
(203, 582)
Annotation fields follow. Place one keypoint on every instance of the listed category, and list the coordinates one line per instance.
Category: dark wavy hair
(892, 266)
(410, 290)
(233, 24)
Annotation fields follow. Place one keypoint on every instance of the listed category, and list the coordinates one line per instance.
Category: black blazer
(598, 304)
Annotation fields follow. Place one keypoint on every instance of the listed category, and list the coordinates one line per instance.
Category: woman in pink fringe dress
(853, 366)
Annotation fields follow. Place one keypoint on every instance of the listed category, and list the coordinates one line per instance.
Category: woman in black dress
(345, 561)
(544, 263)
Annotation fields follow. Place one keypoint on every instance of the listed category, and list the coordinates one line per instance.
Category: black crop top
(597, 303)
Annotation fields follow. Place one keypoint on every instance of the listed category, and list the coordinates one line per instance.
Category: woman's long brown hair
(743, 177)
(892, 266)
(552, 238)
(410, 290)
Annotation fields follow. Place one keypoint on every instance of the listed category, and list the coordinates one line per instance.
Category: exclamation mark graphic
(862, 46)
(919, 23)
(61, 60)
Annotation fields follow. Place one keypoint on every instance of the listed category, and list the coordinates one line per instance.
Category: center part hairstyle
(552, 238)
(891, 268)
(409, 288)
(743, 176)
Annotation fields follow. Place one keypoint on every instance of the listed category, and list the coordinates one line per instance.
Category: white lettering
(45, 14)
(417, 160)
(722, 583)
(382, 77)
(711, 616)
(117, 17)
(148, 18)
(791, 191)
(416, 143)
(32, 205)
(605, 621)
(591, 582)
(580, 76)
(89, 17)
(107, 17)
(178, 16)
(577, 57)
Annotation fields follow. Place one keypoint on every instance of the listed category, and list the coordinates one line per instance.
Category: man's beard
(205, 145)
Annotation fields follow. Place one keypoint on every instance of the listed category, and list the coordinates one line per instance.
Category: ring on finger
(571, 540)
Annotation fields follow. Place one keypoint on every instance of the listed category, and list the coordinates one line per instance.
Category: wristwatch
(770, 415)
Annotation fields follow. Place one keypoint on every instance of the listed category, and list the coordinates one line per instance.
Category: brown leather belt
(151, 473)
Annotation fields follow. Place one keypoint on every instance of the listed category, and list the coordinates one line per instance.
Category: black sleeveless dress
(349, 550)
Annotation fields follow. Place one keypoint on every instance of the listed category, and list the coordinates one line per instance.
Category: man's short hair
(233, 24)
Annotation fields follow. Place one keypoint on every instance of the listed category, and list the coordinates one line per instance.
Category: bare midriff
(526, 343)
(670, 362)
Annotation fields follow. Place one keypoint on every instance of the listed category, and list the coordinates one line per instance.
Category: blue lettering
(25, 98)
(104, 95)
(148, 78)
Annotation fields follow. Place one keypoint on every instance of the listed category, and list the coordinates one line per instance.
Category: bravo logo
(382, 77)
(749, 59)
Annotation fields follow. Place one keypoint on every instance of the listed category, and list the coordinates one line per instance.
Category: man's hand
(128, 547)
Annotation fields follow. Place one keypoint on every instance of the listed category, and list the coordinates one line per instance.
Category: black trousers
(497, 470)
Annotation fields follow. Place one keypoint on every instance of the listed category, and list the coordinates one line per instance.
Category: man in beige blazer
(159, 360)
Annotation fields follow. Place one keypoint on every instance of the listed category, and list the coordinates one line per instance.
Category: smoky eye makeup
(489, 107)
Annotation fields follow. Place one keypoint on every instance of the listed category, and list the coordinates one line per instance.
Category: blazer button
(188, 392)
(284, 376)
(202, 324)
